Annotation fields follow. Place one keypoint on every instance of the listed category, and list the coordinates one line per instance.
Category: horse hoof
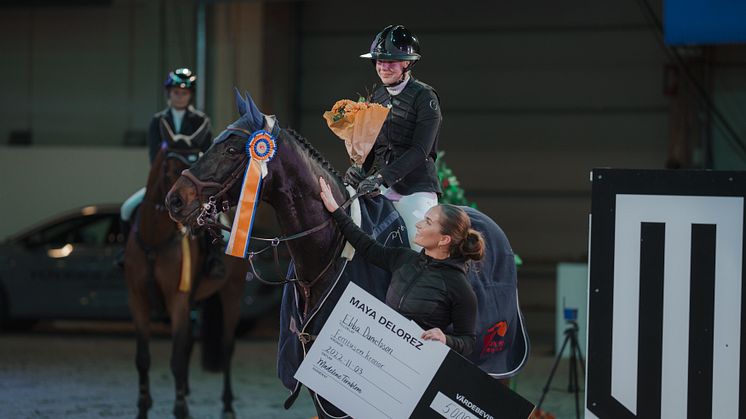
(181, 410)
(229, 415)
(144, 403)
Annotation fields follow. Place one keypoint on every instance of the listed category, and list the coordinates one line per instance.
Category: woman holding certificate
(430, 286)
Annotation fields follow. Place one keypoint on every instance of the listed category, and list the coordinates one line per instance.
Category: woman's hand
(434, 334)
(327, 197)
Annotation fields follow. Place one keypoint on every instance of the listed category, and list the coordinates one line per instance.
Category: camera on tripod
(570, 314)
(576, 360)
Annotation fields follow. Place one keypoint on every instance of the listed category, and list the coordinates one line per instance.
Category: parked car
(63, 269)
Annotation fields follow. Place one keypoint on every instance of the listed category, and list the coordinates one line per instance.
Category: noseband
(209, 211)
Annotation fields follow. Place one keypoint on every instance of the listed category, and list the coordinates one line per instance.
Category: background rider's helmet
(181, 77)
(396, 43)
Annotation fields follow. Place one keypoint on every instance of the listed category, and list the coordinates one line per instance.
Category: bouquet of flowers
(358, 124)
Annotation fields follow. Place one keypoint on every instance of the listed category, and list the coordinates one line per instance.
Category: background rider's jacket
(406, 147)
(432, 292)
(193, 122)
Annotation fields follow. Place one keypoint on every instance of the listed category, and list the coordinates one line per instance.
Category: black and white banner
(665, 295)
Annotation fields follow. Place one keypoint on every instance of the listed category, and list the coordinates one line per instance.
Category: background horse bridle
(187, 156)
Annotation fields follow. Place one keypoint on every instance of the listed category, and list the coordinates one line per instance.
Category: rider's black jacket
(193, 122)
(406, 147)
(432, 292)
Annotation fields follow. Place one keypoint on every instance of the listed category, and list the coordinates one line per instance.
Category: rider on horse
(181, 126)
(403, 157)
(180, 123)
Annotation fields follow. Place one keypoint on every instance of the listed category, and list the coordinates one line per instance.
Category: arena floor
(80, 371)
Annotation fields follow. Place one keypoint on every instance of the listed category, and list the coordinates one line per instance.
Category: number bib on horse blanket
(502, 344)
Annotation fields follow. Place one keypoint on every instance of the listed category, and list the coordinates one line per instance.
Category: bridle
(209, 212)
(178, 154)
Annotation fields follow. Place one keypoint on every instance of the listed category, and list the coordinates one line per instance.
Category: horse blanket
(502, 345)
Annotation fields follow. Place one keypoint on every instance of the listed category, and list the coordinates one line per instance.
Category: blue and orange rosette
(261, 146)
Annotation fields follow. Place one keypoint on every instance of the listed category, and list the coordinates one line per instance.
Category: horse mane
(314, 154)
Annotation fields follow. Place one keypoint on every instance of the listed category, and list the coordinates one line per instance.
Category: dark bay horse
(154, 260)
(291, 187)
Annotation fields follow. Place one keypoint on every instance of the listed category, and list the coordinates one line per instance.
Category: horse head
(289, 184)
(166, 168)
(215, 178)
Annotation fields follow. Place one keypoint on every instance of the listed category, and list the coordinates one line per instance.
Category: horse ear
(240, 102)
(255, 115)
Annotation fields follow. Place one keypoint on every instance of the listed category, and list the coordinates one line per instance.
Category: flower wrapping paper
(358, 124)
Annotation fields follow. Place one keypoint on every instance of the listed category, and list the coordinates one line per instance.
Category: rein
(274, 244)
(152, 250)
(209, 212)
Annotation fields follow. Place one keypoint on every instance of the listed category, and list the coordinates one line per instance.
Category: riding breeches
(412, 209)
(130, 204)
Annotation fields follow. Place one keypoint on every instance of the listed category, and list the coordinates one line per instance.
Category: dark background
(534, 95)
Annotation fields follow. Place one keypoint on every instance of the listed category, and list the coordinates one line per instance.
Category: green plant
(453, 193)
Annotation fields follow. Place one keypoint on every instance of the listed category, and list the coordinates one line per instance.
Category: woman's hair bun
(472, 247)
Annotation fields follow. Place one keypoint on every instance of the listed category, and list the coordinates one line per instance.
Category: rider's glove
(369, 184)
(354, 175)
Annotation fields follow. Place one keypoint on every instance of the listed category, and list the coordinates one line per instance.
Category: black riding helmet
(181, 77)
(396, 43)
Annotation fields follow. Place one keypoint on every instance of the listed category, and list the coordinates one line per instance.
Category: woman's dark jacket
(406, 147)
(432, 292)
(194, 122)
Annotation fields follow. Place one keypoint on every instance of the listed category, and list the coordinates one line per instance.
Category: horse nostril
(175, 202)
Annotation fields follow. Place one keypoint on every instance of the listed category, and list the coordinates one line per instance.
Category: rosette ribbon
(261, 148)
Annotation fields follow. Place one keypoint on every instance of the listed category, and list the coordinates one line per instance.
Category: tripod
(576, 357)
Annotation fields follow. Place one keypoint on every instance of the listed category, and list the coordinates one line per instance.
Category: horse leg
(231, 311)
(190, 348)
(141, 315)
(228, 412)
(142, 360)
(180, 349)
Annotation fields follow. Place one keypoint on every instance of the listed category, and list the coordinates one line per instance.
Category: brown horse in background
(153, 272)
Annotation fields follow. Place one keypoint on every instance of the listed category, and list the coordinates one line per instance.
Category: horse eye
(232, 150)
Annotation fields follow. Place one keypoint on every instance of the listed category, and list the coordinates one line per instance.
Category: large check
(369, 361)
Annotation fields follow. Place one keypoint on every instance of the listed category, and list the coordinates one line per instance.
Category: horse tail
(212, 334)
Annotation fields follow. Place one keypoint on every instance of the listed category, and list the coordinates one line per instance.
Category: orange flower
(340, 104)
